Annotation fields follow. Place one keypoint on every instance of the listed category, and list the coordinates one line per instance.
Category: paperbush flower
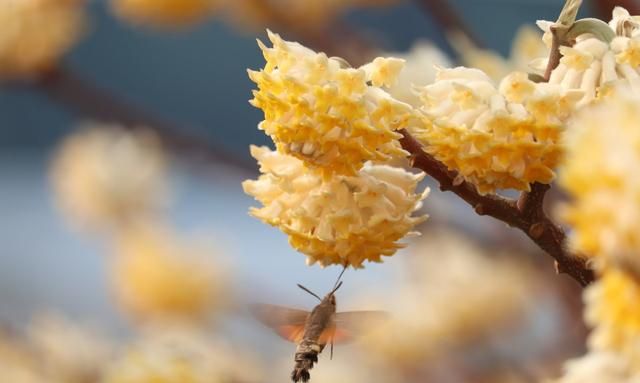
(165, 12)
(444, 268)
(330, 116)
(104, 175)
(593, 63)
(157, 276)
(344, 220)
(185, 355)
(420, 68)
(527, 45)
(613, 308)
(605, 367)
(601, 175)
(37, 33)
(496, 138)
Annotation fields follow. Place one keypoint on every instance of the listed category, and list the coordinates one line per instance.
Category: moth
(312, 331)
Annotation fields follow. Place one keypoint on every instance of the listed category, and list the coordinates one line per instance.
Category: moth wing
(288, 323)
(350, 325)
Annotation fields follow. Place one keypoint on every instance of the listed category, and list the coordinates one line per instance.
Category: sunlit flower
(420, 68)
(497, 138)
(67, 351)
(601, 367)
(165, 12)
(591, 63)
(295, 14)
(343, 220)
(526, 46)
(105, 175)
(325, 113)
(35, 34)
(171, 355)
(452, 297)
(613, 308)
(157, 276)
(601, 175)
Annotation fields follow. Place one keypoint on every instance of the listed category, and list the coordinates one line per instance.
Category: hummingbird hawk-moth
(312, 331)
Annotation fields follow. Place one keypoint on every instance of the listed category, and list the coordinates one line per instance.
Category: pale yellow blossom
(420, 68)
(601, 367)
(601, 175)
(184, 355)
(325, 113)
(592, 63)
(173, 13)
(105, 176)
(613, 309)
(504, 137)
(344, 220)
(35, 34)
(157, 276)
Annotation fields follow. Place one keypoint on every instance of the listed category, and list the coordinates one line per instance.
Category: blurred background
(193, 80)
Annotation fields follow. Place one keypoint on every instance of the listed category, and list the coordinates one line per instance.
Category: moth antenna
(309, 291)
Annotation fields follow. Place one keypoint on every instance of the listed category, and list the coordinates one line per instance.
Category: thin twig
(537, 225)
(89, 101)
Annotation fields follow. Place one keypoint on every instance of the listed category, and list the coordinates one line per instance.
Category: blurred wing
(286, 322)
(350, 325)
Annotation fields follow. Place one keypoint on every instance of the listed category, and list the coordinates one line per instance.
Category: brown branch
(447, 16)
(529, 218)
(604, 8)
(89, 101)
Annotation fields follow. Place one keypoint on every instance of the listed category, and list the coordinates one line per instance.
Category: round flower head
(35, 34)
(344, 220)
(593, 62)
(330, 116)
(165, 12)
(602, 176)
(185, 355)
(504, 138)
(613, 308)
(105, 175)
(156, 276)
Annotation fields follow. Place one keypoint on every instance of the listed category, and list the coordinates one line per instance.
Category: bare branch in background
(89, 101)
(604, 8)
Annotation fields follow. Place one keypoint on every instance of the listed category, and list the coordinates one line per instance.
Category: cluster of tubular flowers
(495, 294)
(601, 175)
(165, 13)
(504, 137)
(185, 355)
(104, 175)
(331, 116)
(593, 62)
(36, 33)
(158, 277)
(344, 220)
(526, 46)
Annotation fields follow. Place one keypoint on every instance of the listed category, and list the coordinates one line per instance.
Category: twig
(530, 219)
(89, 101)
(447, 16)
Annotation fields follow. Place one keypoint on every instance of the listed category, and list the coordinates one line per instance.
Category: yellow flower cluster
(185, 355)
(526, 46)
(496, 138)
(601, 175)
(343, 220)
(593, 63)
(601, 367)
(332, 117)
(172, 13)
(495, 293)
(104, 175)
(36, 33)
(157, 276)
(613, 308)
